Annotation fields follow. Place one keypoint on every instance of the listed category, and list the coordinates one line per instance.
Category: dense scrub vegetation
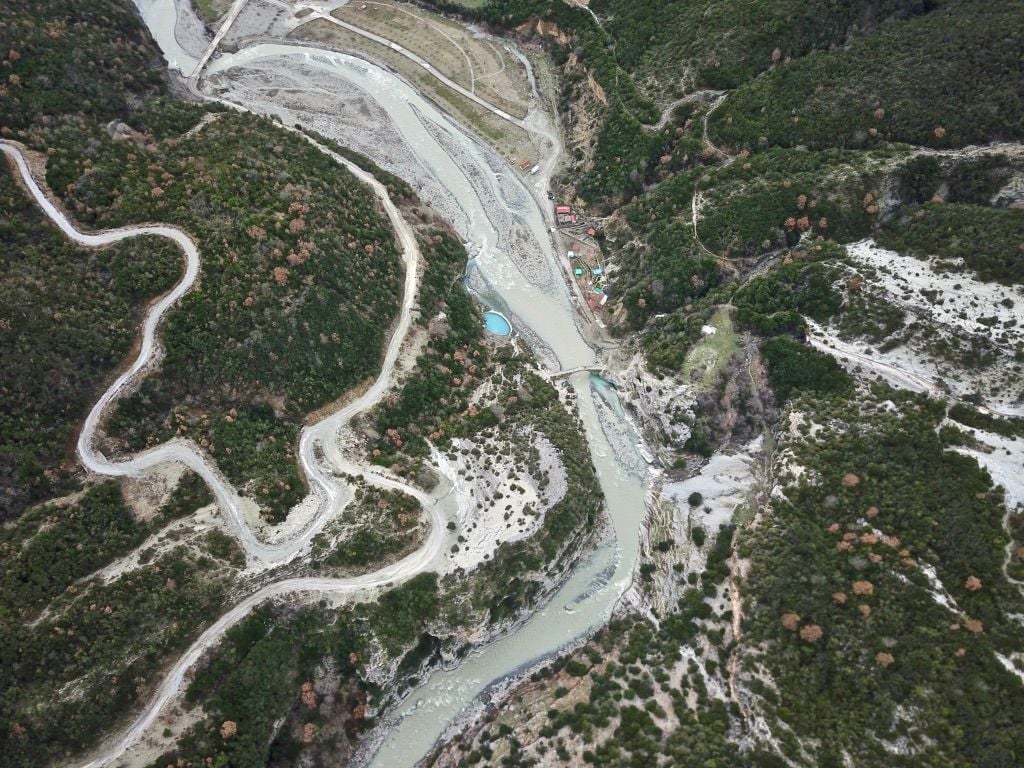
(778, 196)
(795, 367)
(433, 406)
(379, 524)
(850, 554)
(445, 373)
(68, 318)
(972, 417)
(776, 55)
(282, 649)
(299, 281)
(308, 267)
(50, 547)
(265, 669)
(987, 241)
(795, 204)
(959, 82)
(874, 610)
(66, 679)
(973, 180)
(269, 665)
(769, 202)
(789, 292)
(635, 694)
(805, 152)
(680, 44)
(802, 147)
(90, 59)
(65, 635)
(300, 278)
(296, 258)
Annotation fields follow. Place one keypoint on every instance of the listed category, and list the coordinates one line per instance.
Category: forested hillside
(644, 55)
(68, 318)
(102, 588)
(857, 603)
(295, 256)
(779, 121)
(299, 282)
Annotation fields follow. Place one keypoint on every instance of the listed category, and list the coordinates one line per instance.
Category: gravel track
(320, 438)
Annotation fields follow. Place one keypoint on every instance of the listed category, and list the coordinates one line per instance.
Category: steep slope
(855, 570)
(296, 256)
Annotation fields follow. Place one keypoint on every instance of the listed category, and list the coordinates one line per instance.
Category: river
(514, 267)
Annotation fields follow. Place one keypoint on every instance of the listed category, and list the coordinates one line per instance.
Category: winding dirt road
(320, 476)
(320, 453)
(331, 494)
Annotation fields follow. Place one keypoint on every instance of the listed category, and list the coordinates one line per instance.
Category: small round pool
(497, 323)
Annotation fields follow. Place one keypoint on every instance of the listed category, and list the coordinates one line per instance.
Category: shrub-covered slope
(946, 79)
(300, 275)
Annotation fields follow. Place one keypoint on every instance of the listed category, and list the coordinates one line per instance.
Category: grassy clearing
(707, 359)
(211, 10)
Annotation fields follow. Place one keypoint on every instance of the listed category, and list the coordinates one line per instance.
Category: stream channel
(513, 268)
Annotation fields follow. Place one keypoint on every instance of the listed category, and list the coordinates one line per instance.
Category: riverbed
(514, 267)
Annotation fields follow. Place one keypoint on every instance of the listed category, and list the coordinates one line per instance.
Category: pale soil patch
(725, 482)
(299, 518)
(145, 495)
(962, 301)
(206, 119)
(1014, 663)
(350, 395)
(1003, 457)
(498, 501)
(586, 117)
(174, 534)
(147, 750)
(951, 307)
